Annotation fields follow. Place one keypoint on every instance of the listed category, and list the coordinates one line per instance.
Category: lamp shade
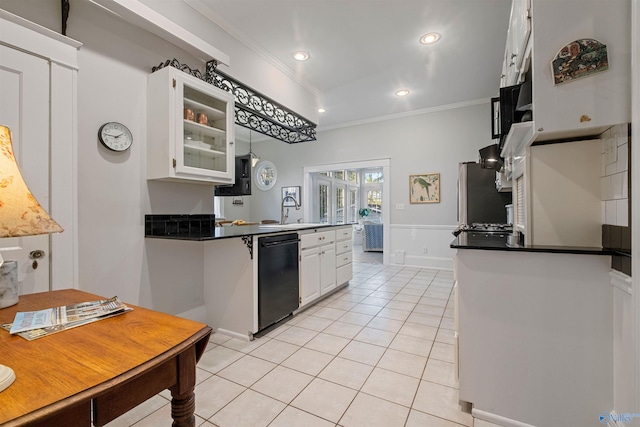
(20, 212)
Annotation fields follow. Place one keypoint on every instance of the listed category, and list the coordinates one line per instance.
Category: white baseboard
(507, 422)
(233, 334)
(198, 314)
(497, 419)
(426, 262)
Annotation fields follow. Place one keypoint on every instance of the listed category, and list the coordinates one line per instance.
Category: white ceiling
(362, 51)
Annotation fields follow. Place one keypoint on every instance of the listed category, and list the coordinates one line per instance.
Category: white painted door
(24, 108)
(309, 275)
(327, 268)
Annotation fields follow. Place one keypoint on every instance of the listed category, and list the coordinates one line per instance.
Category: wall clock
(115, 136)
(266, 175)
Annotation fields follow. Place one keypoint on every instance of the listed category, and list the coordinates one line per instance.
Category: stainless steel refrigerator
(478, 199)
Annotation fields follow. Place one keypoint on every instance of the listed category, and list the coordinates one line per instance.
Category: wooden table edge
(88, 394)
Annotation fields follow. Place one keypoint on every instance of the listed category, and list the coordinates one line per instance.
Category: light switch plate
(399, 205)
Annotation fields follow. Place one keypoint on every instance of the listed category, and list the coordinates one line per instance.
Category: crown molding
(406, 114)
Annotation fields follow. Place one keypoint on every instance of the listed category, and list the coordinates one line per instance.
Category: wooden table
(114, 364)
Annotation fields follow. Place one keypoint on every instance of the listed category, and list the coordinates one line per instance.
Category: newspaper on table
(36, 324)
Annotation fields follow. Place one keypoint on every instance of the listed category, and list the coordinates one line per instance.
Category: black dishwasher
(278, 280)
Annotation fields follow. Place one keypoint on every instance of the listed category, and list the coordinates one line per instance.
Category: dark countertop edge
(578, 250)
(245, 230)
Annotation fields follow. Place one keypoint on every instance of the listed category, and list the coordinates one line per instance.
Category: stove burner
(485, 227)
(490, 227)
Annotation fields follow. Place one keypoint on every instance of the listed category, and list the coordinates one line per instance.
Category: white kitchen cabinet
(309, 275)
(344, 254)
(317, 264)
(327, 268)
(590, 105)
(517, 38)
(583, 107)
(190, 129)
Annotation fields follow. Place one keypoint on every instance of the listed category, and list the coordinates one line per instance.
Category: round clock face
(266, 175)
(115, 136)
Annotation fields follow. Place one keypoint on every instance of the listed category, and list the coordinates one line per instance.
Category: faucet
(283, 216)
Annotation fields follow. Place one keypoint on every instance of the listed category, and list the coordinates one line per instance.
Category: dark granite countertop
(233, 231)
(506, 242)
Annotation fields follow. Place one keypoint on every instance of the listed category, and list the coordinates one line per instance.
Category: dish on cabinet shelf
(212, 113)
(197, 127)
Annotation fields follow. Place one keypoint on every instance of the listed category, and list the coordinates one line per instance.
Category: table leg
(182, 410)
(183, 402)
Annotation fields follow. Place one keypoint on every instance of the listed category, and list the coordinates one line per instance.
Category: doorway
(338, 198)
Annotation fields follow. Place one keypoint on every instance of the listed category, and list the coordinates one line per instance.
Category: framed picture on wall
(424, 188)
(293, 192)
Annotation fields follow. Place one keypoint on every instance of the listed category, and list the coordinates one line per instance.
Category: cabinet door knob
(38, 253)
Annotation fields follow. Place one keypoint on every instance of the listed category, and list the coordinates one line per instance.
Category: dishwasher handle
(279, 243)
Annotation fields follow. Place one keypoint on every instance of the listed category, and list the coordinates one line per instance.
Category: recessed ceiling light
(402, 92)
(430, 38)
(301, 55)
(321, 110)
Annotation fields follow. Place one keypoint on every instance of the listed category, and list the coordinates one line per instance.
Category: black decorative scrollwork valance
(252, 109)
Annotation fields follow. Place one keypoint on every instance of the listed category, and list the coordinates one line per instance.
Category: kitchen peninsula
(235, 282)
(534, 331)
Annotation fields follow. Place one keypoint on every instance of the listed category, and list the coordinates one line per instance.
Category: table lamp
(20, 215)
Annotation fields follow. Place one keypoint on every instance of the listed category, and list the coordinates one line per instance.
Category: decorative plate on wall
(580, 58)
(266, 175)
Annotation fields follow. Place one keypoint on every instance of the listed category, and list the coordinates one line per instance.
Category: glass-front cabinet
(190, 129)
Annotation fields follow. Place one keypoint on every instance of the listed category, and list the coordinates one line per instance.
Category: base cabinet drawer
(316, 239)
(344, 273)
(344, 246)
(344, 233)
(344, 258)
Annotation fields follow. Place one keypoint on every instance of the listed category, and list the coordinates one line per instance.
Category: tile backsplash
(615, 190)
(615, 175)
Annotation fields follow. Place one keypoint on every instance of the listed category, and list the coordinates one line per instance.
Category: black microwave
(504, 112)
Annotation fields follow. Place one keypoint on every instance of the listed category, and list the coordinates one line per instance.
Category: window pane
(340, 205)
(353, 176)
(323, 203)
(353, 205)
(338, 174)
(374, 202)
(373, 177)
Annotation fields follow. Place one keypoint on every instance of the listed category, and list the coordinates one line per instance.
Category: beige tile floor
(378, 352)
